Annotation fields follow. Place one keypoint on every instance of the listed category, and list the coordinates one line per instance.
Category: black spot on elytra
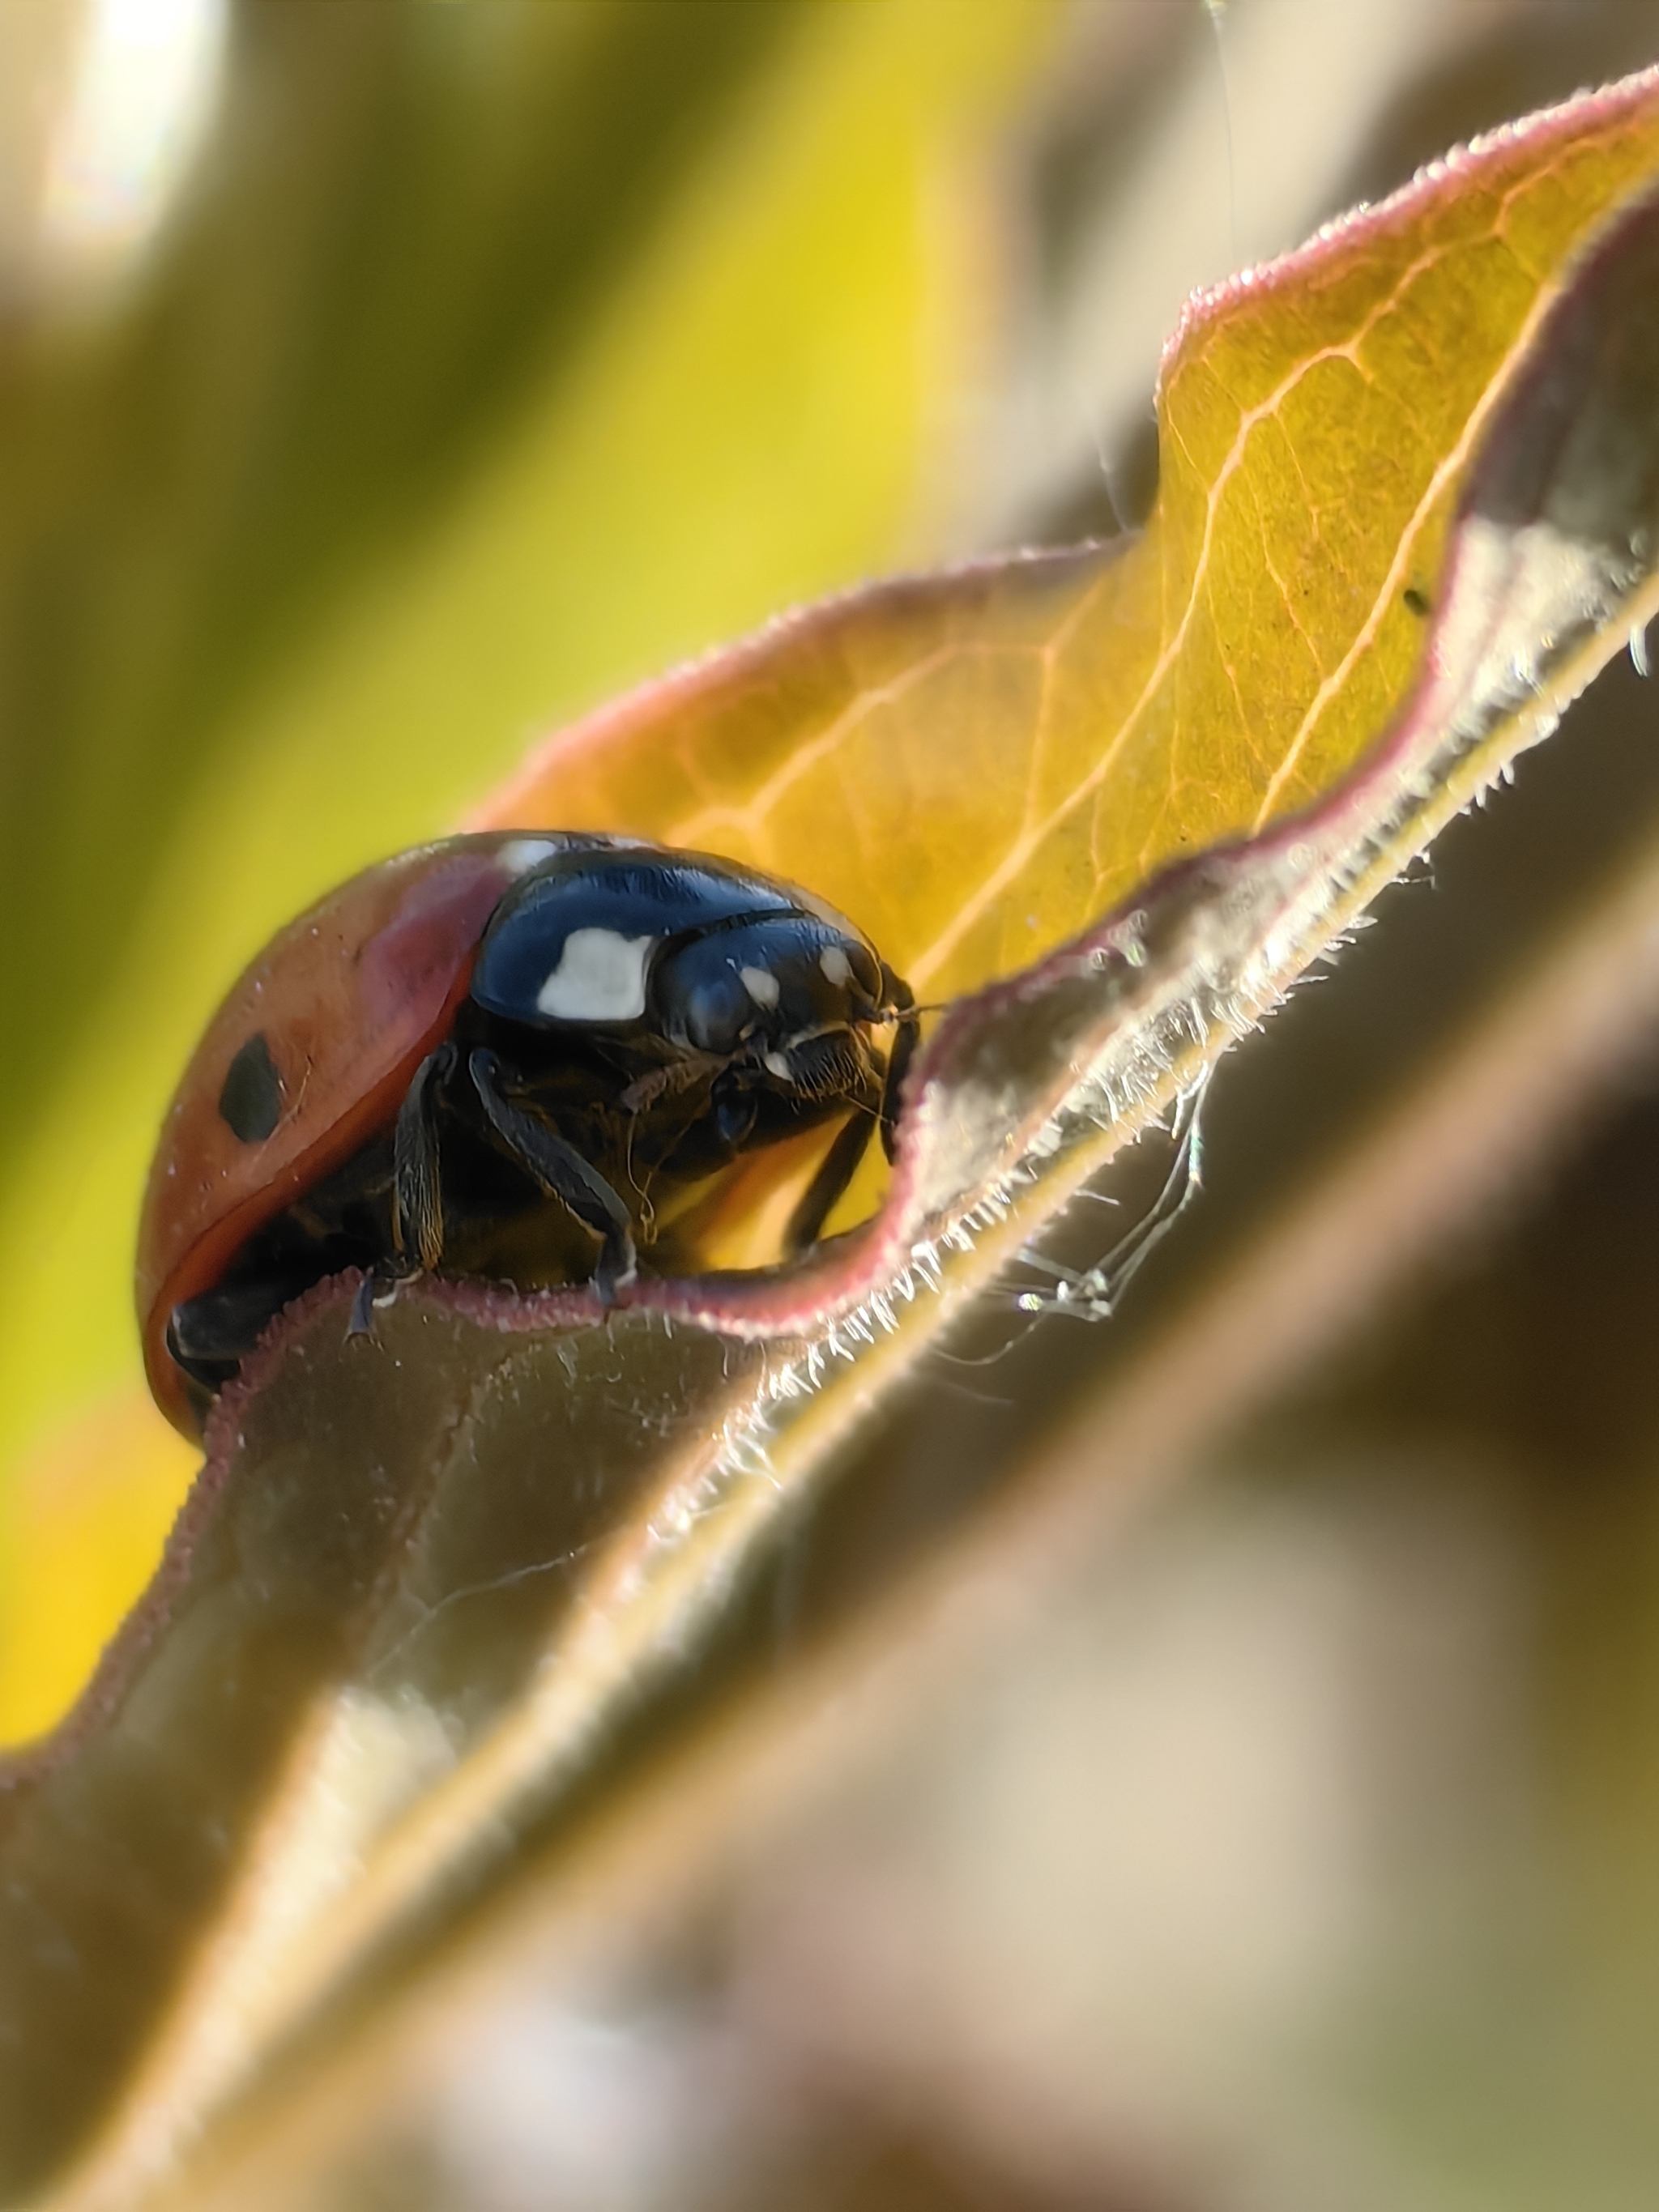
(251, 1101)
(1416, 601)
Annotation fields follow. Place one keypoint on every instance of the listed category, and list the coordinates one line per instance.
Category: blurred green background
(387, 384)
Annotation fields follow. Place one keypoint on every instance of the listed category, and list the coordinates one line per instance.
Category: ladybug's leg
(561, 1172)
(417, 1201)
(840, 1162)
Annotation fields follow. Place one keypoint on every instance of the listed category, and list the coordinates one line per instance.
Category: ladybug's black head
(766, 985)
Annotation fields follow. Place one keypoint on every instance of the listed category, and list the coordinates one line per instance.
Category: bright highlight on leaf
(1111, 804)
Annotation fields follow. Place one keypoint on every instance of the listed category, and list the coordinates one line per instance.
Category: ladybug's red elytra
(501, 1056)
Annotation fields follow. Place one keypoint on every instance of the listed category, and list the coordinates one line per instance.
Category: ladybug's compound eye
(251, 1100)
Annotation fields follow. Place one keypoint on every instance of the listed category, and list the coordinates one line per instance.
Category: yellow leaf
(976, 767)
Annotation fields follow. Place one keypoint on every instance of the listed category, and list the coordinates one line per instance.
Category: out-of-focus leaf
(425, 1535)
(507, 353)
(426, 1577)
(92, 1506)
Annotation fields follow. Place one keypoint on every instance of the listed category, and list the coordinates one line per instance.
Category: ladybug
(516, 1056)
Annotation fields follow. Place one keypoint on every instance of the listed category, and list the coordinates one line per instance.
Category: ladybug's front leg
(837, 1170)
(906, 1038)
(840, 1162)
(561, 1172)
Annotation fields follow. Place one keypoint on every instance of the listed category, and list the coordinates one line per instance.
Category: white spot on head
(761, 984)
(777, 1063)
(835, 966)
(600, 978)
(524, 854)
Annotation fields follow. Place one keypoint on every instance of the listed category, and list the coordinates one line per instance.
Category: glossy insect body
(514, 1056)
